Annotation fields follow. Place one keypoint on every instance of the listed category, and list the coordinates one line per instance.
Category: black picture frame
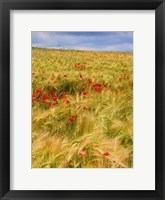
(5, 7)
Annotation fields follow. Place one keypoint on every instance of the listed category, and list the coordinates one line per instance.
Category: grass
(82, 109)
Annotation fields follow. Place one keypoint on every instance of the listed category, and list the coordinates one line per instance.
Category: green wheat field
(82, 109)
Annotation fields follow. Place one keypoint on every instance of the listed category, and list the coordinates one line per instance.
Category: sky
(96, 41)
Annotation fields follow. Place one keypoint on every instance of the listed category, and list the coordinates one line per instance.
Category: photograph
(82, 99)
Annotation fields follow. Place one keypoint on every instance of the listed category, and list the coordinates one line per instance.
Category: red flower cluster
(47, 98)
(72, 118)
(35, 95)
(53, 93)
(98, 87)
(80, 66)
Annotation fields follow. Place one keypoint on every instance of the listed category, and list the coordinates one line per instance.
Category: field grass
(82, 109)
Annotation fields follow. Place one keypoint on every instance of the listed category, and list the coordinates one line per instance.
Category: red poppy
(85, 108)
(47, 96)
(63, 94)
(55, 98)
(83, 153)
(43, 100)
(83, 85)
(76, 64)
(39, 91)
(105, 85)
(72, 118)
(48, 105)
(97, 85)
(34, 102)
(125, 74)
(106, 153)
(90, 81)
(54, 104)
(85, 93)
(81, 76)
(98, 89)
(121, 91)
(120, 79)
(67, 101)
(43, 97)
(54, 93)
(34, 95)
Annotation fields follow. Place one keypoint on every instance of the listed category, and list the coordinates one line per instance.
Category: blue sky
(97, 41)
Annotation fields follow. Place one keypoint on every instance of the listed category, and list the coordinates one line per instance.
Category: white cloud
(110, 41)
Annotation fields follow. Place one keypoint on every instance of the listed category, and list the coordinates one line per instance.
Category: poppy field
(82, 109)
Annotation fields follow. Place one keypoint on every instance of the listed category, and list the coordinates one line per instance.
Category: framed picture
(82, 95)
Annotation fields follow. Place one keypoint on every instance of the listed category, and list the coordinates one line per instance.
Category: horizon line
(66, 49)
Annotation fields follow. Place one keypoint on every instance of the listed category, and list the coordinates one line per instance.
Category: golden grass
(91, 125)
